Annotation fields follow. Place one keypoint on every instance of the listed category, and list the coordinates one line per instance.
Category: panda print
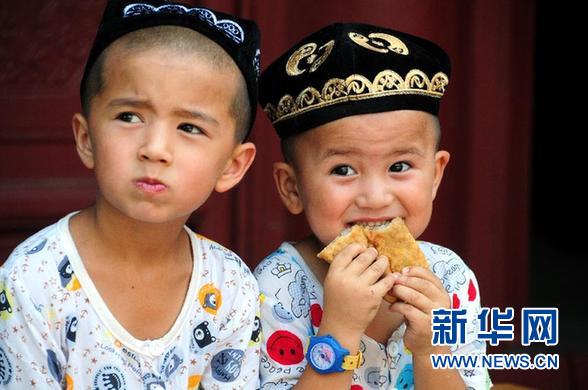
(256, 330)
(4, 304)
(72, 328)
(202, 335)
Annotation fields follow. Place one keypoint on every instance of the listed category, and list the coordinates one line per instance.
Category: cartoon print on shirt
(229, 256)
(472, 293)
(316, 314)
(5, 303)
(69, 384)
(71, 328)
(440, 251)
(109, 378)
(405, 379)
(5, 368)
(53, 365)
(374, 378)
(298, 290)
(282, 314)
(394, 354)
(67, 276)
(153, 382)
(202, 335)
(171, 362)
(226, 365)
(281, 269)
(451, 273)
(194, 381)
(285, 347)
(256, 330)
(36, 248)
(281, 385)
(455, 302)
(210, 298)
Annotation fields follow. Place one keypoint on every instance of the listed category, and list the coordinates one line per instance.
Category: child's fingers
(411, 296)
(375, 270)
(382, 286)
(424, 286)
(411, 313)
(346, 256)
(362, 261)
(423, 273)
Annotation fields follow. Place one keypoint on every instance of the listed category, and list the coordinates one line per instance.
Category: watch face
(323, 356)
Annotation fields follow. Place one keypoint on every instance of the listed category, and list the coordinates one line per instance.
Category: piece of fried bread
(392, 240)
(395, 242)
(347, 236)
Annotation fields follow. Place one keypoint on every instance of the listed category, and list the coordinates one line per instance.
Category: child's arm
(30, 355)
(421, 292)
(352, 295)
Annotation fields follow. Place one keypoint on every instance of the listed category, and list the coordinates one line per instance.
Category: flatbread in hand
(392, 240)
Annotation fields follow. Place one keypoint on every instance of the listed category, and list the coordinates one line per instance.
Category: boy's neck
(308, 249)
(133, 241)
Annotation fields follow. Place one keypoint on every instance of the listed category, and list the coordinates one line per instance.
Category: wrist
(426, 353)
(348, 338)
(326, 355)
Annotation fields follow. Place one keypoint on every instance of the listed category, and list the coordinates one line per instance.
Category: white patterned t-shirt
(57, 332)
(291, 312)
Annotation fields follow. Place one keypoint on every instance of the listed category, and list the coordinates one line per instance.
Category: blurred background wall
(509, 197)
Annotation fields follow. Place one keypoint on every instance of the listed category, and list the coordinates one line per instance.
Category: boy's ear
(441, 160)
(286, 183)
(240, 161)
(83, 140)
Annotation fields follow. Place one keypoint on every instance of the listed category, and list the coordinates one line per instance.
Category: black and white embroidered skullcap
(240, 38)
(349, 69)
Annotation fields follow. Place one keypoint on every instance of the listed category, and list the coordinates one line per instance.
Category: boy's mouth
(372, 223)
(150, 185)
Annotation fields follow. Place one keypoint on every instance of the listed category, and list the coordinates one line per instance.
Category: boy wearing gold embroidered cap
(356, 109)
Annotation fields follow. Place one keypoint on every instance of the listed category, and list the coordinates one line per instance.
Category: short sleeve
(462, 286)
(30, 352)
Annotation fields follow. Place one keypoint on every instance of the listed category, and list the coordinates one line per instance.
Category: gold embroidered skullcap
(348, 69)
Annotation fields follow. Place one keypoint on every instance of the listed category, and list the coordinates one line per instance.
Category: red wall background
(482, 210)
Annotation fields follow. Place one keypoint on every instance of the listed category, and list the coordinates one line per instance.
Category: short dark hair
(182, 40)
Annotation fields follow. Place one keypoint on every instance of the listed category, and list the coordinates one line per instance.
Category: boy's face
(160, 134)
(366, 168)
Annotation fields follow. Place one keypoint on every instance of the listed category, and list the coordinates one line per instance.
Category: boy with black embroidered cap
(356, 109)
(123, 295)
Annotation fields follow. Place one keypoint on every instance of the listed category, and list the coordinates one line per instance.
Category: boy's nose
(374, 194)
(156, 145)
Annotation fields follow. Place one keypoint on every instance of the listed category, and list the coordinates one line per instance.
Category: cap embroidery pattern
(230, 28)
(358, 87)
(256, 62)
(380, 42)
(307, 52)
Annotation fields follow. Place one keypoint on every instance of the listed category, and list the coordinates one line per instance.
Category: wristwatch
(325, 355)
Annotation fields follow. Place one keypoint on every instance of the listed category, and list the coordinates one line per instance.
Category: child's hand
(354, 291)
(420, 291)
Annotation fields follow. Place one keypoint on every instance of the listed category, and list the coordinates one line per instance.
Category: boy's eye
(343, 170)
(399, 167)
(190, 129)
(129, 117)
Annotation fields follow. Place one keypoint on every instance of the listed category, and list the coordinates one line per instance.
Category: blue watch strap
(325, 355)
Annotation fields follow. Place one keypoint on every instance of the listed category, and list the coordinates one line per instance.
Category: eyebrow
(195, 114)
(351, 151)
